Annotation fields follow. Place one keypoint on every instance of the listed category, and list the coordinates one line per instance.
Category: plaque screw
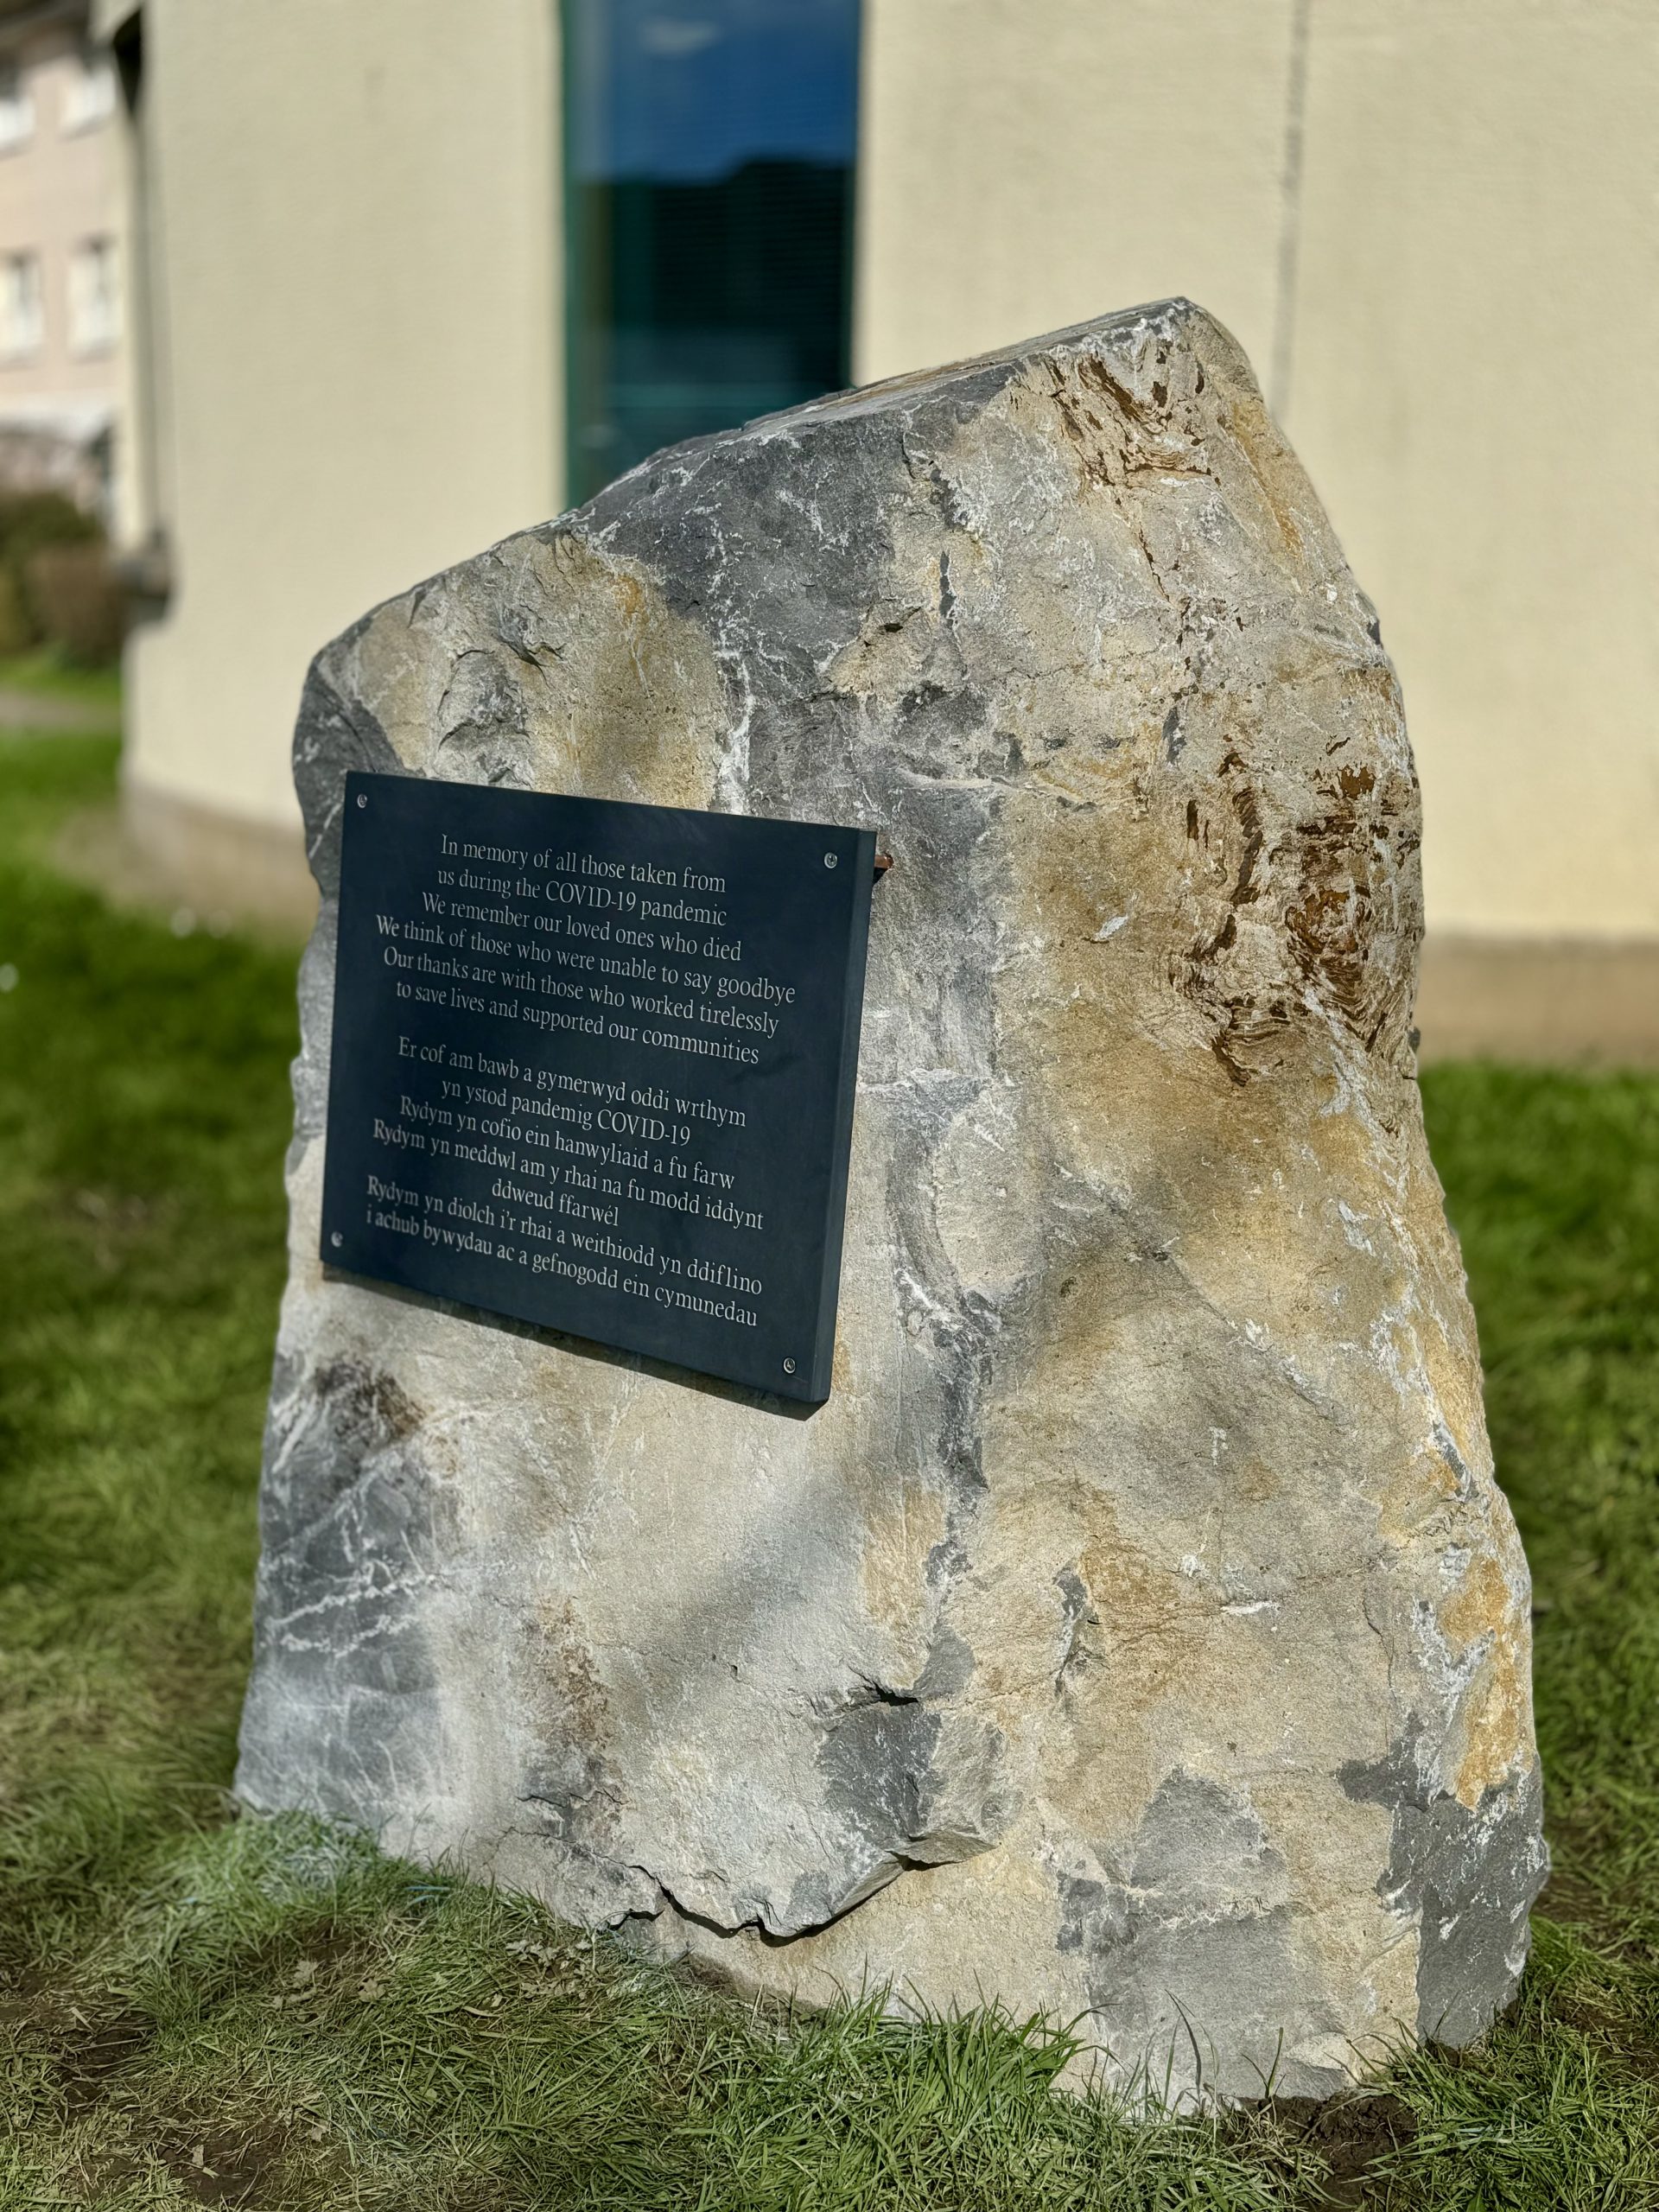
(789, 1365)
(830, 860)
(362, 798)
(336, 1240)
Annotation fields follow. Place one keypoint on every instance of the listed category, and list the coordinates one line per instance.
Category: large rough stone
(1138, 1630)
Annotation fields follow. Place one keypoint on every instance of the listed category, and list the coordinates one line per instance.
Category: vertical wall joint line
(1290, 211)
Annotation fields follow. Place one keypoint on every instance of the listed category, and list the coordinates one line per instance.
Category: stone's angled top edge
(319, 668)
(1165, 318)
(323, 665)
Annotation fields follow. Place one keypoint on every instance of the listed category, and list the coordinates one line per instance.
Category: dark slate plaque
(593, 1067)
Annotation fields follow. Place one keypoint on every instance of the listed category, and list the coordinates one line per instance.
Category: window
(16, 108)
(89, 97)
(94, 308)
(708, 154)
(23, 313)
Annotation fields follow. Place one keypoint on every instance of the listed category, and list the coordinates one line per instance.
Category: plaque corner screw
(789, 1367)
(336, 1240)
(362, 798)
(830, 859)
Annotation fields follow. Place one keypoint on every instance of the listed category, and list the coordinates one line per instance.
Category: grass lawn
(199, 2009)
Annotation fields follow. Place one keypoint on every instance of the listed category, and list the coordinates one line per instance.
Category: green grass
(199, 2009)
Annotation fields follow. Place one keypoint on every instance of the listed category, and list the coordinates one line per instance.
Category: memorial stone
(1136, 1631)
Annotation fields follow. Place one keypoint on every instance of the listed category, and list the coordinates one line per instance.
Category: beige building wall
(352, 354)
(1476, 327)
(58, 199)
(1024, 164)
(1435, 228)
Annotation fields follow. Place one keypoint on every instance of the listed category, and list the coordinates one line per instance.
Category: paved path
(30, 710)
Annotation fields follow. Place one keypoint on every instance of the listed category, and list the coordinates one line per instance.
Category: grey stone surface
(1139, 1629)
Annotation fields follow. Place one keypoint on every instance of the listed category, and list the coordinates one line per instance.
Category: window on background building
(16, 107)
(23, 306)
(89, 97)
(709, 173)
(93, 306)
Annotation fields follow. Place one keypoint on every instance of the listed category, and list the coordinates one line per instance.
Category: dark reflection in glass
(709, 167)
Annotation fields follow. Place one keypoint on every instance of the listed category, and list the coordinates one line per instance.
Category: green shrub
(72, 604)
(16, 630)
(79, 601)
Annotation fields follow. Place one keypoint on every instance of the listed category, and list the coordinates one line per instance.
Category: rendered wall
(1434, 229)
(353, 220)
(1476, 325)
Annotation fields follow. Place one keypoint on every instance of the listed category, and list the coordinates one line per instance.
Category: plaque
(593, 1067)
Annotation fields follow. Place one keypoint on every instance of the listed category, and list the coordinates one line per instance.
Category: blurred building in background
(60, 297)
(408, 274)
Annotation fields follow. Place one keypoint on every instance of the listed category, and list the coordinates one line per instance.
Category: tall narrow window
(16, 107)
(709, 169)
(93, 307)
(89, 94)
(23, 306)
